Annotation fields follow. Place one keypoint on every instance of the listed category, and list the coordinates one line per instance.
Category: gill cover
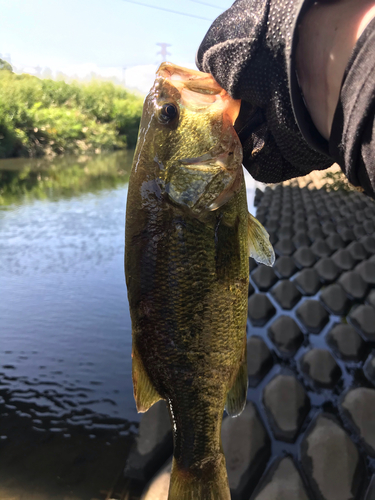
(209, 180)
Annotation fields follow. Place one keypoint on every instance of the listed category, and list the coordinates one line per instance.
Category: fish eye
(168, 113)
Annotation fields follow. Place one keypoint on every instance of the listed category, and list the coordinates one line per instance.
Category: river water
(65, 338)
(65, 332)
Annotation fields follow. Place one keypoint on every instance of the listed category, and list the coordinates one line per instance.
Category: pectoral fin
(145, 394)
(260, 247)
(236, 397)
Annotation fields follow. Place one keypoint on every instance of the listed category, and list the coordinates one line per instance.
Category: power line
(168, 10)
(208, 5)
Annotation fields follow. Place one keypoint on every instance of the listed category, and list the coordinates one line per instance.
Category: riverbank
(47, 118)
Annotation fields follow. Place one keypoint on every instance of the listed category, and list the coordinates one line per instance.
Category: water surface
(65, 339)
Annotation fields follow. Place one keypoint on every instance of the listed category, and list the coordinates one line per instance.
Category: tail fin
(207, 482)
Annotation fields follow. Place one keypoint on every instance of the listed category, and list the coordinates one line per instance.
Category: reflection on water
(39, 178)
(65, 339)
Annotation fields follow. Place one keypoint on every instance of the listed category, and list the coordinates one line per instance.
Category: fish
(188, 239)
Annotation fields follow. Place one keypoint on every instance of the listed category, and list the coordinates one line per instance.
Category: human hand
(248, 50)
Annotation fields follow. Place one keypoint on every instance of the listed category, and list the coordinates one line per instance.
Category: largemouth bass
(188, 234)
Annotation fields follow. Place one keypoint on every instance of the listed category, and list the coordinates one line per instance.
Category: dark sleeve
(352, 140)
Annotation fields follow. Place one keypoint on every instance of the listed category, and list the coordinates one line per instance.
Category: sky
(108, 37)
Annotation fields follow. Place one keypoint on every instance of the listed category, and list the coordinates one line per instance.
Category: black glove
(248, 51)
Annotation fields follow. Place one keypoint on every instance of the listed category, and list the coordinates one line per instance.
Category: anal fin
(236, 397)
(145, 394)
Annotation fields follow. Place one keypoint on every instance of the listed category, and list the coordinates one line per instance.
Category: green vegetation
(46, 117)
(336, 181)
(23, 180)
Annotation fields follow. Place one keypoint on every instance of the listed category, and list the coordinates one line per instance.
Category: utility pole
(163, 51)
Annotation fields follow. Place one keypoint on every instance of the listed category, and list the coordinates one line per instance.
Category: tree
(5, 65)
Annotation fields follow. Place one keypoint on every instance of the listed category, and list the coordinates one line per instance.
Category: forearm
(328, 33)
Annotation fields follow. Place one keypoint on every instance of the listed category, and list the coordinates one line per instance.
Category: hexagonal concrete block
(368, 243)
(286, 335)
(259, 360)
(346, 342)
(363, 317)
(320, 248)
(158, 487)
(285, 232)
(360, 215)
(327, 270)
(369, 227)
(286, 294)
(313, 315)
(285, 246)
(357, 250)
(371, 298)
(334, 241)
(369, 368)
(260, 309)
(264, 277)
(358, 406)
(304, 257)
(281, 482)
(315, 233)
(331, 461)
(335, 299)
(312, 218)
(354, 285)
(252, 264)
(272, 225)
(343, 259)
(359, 231)
(247, 448)
(285, 267)
(299, 225)
(258, 196)
(347, 235)
(308, 281)
(301, 239)
(153, 445)
(328, 228)
(320, 367)
(287, 405)
(367, 271)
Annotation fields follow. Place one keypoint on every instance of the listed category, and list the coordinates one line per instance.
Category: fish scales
(187, 269)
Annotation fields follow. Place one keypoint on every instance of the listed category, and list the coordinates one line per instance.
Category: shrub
(40, 117)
